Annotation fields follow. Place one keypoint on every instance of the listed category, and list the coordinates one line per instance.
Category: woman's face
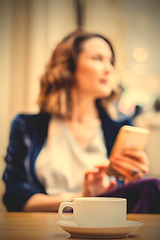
(94, 68)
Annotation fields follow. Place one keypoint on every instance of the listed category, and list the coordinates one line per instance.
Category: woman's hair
(57, 81)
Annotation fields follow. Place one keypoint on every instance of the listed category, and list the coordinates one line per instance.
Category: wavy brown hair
(57, 81)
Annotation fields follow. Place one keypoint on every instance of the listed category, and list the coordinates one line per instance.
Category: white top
(62, 162)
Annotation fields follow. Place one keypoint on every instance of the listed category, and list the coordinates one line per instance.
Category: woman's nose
(108, 67)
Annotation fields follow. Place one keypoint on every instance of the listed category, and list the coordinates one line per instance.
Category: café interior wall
(29, 31)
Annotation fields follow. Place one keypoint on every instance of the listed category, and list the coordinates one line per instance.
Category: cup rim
(102, 199)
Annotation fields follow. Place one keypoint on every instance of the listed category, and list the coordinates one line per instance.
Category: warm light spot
(140, 54)
(132, 97)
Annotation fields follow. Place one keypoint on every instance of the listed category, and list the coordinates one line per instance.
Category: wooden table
(31, 226)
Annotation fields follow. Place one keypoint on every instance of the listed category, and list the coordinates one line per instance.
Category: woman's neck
(83, 107)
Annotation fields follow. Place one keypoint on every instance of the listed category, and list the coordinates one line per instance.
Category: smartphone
(128, 137)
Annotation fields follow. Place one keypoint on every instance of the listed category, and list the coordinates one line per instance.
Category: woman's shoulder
(31, 117)
(26, 120)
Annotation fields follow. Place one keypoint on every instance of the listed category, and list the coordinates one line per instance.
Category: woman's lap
(143, 196)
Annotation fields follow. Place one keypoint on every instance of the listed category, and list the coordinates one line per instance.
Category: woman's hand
(132, 164)
(97, 182)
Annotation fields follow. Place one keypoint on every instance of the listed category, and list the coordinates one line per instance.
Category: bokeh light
(140, 54)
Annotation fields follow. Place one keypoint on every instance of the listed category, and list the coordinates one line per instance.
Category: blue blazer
(27, 136)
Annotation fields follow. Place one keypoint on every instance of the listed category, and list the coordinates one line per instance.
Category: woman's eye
(97, 58)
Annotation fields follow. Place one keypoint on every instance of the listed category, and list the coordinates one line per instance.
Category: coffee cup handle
(60, 210)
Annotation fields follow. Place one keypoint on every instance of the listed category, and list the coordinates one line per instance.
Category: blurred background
(30, 29)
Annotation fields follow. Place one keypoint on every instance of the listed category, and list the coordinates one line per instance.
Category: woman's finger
(127, 161)
(138, 155)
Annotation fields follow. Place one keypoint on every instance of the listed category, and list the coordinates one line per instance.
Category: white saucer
(123, 230)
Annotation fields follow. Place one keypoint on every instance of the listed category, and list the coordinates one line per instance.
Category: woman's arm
(16, 177)
(95, 183)
(45, 203)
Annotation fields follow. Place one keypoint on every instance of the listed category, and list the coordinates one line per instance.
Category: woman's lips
(104, 81)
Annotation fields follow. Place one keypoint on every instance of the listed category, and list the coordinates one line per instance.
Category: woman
(62, 152)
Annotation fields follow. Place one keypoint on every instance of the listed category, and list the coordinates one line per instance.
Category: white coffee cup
(95, 211)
